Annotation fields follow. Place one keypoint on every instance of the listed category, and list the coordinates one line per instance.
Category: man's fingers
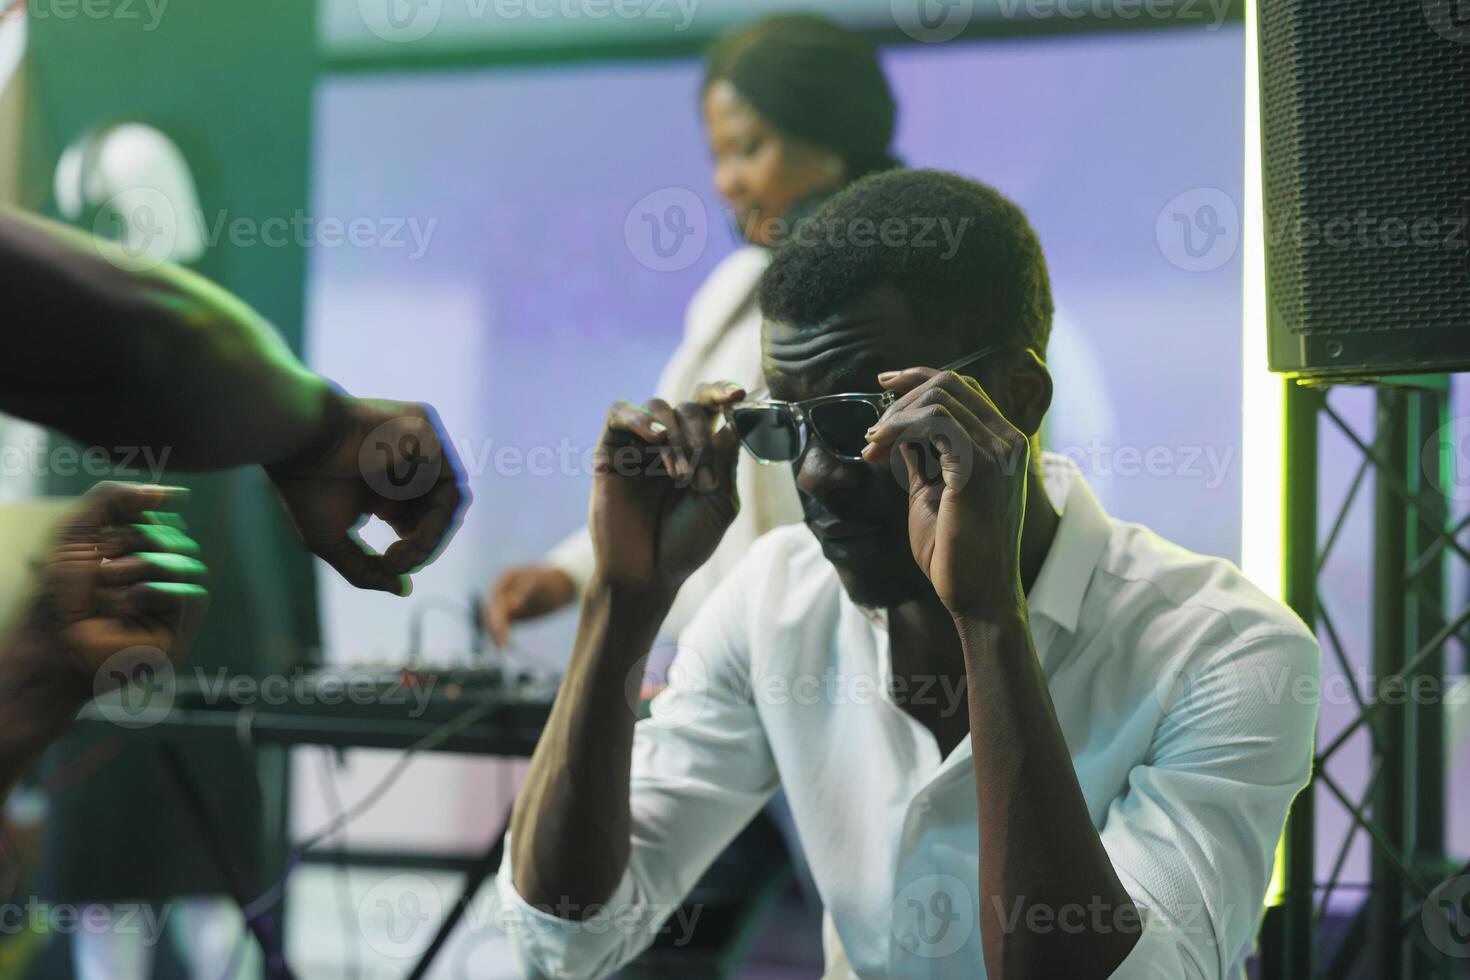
(429, 528)
(674, 451)
(696, 426)
(361, 567)
(716, 395)
(627, 418)
(453, 470)
(177, 609)
(177, 605)
(111, 503)
(912, 384)
(932, 410)
(726, 444)
(656, 427)
(902, 382)
(915, 459)
(150, 566)
(914, 432)
(119, 541)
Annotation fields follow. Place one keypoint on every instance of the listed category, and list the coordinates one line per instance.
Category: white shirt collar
(1082, 534)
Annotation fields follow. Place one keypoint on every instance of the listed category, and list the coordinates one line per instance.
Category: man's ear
(1028, 386)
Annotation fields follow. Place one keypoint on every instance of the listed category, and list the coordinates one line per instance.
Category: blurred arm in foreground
(160, 360)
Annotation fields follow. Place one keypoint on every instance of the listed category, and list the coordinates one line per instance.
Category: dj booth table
(479, 713)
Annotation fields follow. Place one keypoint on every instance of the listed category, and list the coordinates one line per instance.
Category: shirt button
(922, 805)
(909, 940)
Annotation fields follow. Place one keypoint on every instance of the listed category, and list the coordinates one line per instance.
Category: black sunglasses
(780, 432)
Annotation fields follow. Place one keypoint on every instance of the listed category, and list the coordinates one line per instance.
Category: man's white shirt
(1187, 697)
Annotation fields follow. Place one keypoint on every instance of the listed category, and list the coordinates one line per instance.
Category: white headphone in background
(132, 183)
(12, 39)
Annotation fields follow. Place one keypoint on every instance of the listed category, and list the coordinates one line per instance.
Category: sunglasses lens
(768, 432)
(844, 425)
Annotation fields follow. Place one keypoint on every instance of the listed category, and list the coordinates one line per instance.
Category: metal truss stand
(1414, 621)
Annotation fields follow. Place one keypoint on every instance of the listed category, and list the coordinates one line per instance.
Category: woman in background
(794, 108)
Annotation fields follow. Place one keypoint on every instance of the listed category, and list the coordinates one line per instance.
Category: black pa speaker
(1365, 136)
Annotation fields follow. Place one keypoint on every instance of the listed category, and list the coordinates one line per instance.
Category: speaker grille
(1365, 111)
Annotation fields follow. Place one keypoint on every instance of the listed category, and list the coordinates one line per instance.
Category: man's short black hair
(962, 255)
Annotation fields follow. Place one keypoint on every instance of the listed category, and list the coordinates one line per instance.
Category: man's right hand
(663, 495)
(664, 490)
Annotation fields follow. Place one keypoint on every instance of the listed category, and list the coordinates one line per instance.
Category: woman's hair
(813, 81)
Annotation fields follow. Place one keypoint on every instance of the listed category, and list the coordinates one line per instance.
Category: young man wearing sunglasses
(1019, 738)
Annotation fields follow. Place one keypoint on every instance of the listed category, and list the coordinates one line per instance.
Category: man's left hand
(965, 468)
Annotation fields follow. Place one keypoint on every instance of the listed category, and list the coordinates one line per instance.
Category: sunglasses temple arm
(969, 359)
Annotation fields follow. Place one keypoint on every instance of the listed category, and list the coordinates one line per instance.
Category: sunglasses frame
(800, 412)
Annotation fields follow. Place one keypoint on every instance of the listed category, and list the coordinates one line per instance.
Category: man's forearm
(571, 826)
(23, 737)
(33, 714)
(159, 358)
(1051, 903)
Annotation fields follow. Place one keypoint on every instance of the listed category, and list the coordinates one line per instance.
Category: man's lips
(843, 530)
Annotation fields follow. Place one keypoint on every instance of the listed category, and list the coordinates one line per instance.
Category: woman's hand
(522, 593)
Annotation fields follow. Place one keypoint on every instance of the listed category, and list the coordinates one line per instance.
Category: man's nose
(819, 473)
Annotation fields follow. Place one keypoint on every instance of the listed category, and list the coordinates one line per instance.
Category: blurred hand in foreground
(120, 588)
(384, 459)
